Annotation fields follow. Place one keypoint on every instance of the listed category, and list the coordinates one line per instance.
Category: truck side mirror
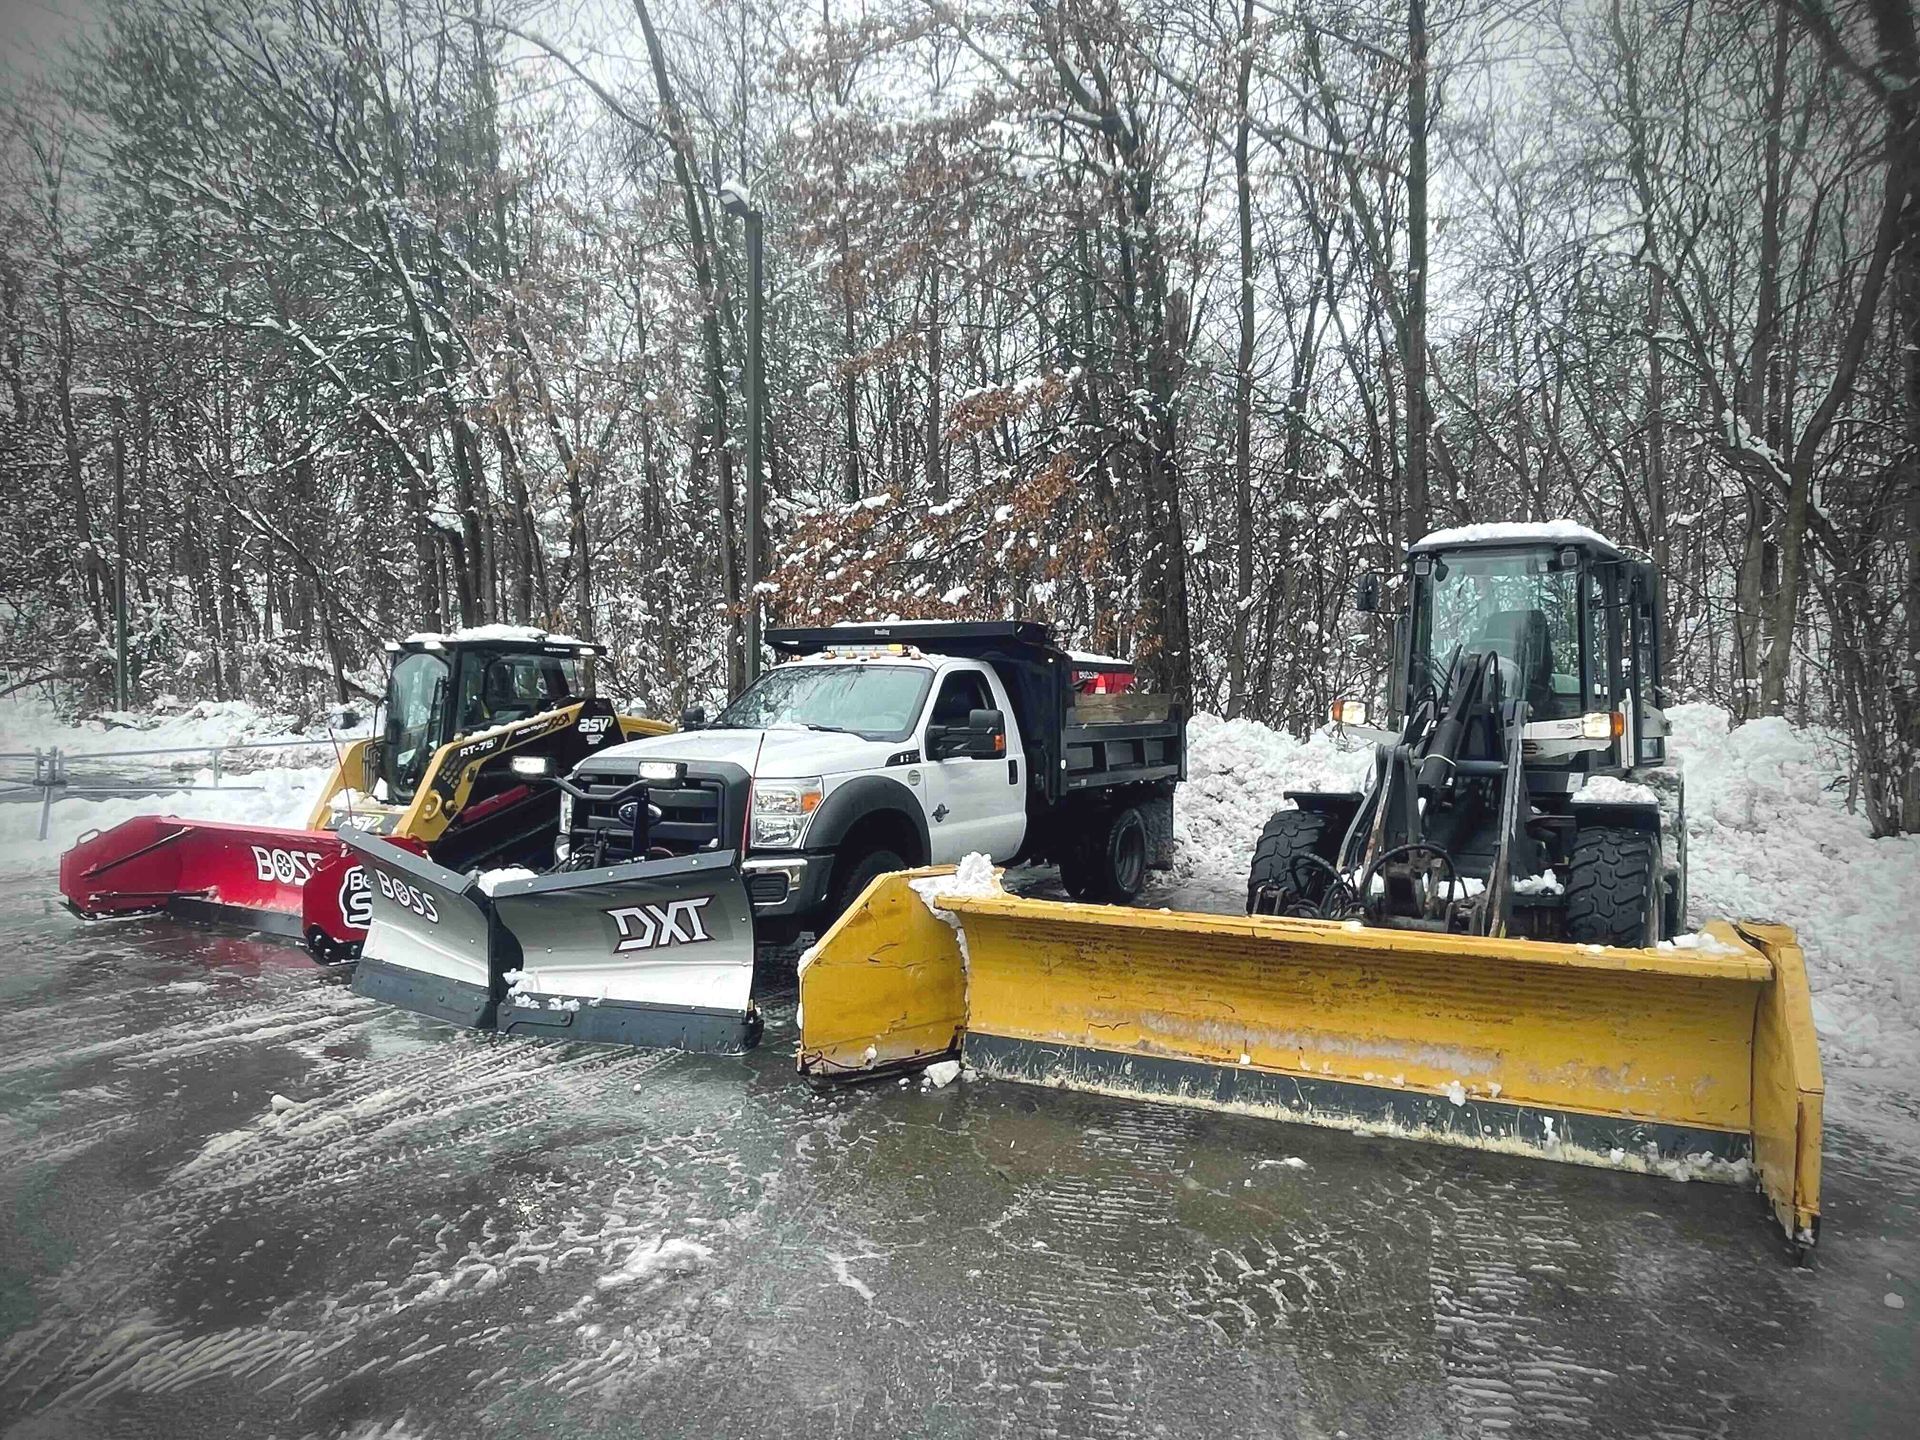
(986, 734)
(694, 717)
(1366, 595)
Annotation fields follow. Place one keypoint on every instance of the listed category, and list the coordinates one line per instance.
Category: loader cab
(444, 686)
(1573, 621)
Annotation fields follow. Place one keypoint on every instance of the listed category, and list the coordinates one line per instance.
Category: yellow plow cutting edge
(1699, 1061)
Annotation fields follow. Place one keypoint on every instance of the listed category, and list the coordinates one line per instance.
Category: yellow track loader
(1481, 949)
(474, 721)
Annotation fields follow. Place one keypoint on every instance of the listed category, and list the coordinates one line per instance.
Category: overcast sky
(30, 29)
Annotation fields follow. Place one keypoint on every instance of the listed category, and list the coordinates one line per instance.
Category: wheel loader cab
(1574, 627)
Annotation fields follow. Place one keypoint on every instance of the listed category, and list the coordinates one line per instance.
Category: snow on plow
(1695, 1059)
(649, 953)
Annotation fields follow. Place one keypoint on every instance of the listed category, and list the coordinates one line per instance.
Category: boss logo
(285, 867)
(595, 725)
(407, 897)
(653, 927)
(356, 899)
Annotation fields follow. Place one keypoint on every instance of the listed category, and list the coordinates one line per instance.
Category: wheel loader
(473, 723)
(1483, 948)
(1520, 783)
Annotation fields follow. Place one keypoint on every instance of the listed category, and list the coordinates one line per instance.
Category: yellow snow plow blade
(1701, 1060)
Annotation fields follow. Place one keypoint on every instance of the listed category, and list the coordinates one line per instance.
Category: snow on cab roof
(1512, 532)
(513, 634)
(1089, 657)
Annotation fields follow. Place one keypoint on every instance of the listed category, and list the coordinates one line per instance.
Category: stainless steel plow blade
(656, 953)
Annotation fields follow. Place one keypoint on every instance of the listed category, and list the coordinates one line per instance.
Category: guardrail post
(47, 771)
(216, 769)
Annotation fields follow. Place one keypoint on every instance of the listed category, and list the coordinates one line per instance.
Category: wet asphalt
(433, 1233)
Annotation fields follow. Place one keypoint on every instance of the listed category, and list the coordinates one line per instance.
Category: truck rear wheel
(1108, 866)
(1288, 875)
(1612, 887)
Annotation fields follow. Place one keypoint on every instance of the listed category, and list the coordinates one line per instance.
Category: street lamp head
(736, 199)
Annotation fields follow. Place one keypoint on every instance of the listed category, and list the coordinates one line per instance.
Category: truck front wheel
(852, 876)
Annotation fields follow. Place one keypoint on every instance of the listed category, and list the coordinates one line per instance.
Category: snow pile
(1769, 838)
(492, 880)
(975, 875)
(28, 722)
(1237, 774)
(1611, 790)
(271, 797)
(282, 792)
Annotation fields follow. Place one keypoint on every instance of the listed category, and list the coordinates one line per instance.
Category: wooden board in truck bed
(1119, 709)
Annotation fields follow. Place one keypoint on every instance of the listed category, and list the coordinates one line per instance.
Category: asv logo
(356, 898)
(595, 725)
(284, 867)
(652, 927)
(407, 897)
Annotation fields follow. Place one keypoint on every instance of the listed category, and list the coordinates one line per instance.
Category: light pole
(737, 201)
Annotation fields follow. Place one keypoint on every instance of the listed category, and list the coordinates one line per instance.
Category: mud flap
(656, 952)
(432, 944)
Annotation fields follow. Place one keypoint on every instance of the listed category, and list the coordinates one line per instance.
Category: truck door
(973, 803)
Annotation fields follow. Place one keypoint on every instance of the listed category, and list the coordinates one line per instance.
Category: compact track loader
(1483, 949)
(473, 723)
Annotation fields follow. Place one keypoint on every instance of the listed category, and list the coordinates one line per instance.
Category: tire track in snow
(1505, 1370)
(1087, 1213)
(417, 1117)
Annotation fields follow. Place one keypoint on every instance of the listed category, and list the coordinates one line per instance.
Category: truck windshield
(1513, 604)
(879, 702)
(416, 707)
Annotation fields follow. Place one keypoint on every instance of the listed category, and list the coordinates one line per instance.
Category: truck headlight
(566, 812)
(781, 811)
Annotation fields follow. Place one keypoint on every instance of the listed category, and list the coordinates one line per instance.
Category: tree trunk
(1242, 392)
(1419, 421)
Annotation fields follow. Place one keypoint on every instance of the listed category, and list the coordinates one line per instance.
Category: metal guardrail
(51, 774)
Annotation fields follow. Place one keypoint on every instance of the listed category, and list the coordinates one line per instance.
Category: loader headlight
(1349, 712)
(782, 810)
(531, 766)
(1603, 725)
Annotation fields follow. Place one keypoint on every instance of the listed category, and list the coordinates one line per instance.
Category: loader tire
(1612, 887)
(852, 875)
(1290, 834)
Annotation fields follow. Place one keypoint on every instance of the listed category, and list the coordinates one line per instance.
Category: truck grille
(690, 817)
